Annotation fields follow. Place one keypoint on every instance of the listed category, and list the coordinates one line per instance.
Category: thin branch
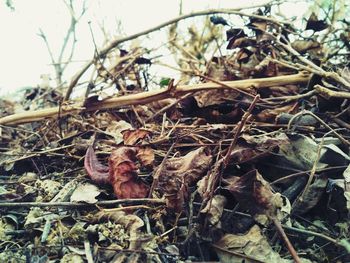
(118, 41)
(328, 93)
(43, 36)
(239, 129)
(159, 171)
(318, 70)
(312, 233)
(346, 142)
(286, 240)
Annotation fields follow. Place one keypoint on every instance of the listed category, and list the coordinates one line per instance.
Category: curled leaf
(123, 174)
(98, 172)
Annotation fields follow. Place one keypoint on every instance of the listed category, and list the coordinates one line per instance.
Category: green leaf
(164, 82)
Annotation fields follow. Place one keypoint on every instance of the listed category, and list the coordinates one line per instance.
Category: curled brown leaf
(123, 174)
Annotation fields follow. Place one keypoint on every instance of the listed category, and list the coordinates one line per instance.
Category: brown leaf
(241, 42)
(179, 173)
(219, 68)
(259, 25)
(255, 194)
(269, 115)
(98, 172)
(145, 155)
(278, 91)
(304, 45)
(253, 244)
(250, 148)
(215, 97)
(131, 223)
(312, 196)
(132, 137)
(123, 174)
(234, 33)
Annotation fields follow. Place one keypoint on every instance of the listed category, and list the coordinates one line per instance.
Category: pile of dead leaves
(237, 173)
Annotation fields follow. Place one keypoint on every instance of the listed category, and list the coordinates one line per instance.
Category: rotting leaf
(312, 196)
(116, 129)
(131, 223)
(255, 194)
(269, 115)
(303, 46)
(146, 156)
(301, 152)
(132, 137)
(234, 33)
(214, 208)
(251, 148)
(179, 173)
(241, 43)
(122, 170)
(252, 244)
(339, 190)
(123, 174)
(215, 97)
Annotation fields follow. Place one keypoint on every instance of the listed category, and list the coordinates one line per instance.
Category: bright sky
(24, 56)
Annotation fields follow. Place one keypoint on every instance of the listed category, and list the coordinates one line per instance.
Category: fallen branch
(150, 96)
(73, 204)
(328, 93)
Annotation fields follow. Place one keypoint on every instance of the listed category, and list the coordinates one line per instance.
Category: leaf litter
(251, 165)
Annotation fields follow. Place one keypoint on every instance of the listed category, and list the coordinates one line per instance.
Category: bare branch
(118, 41)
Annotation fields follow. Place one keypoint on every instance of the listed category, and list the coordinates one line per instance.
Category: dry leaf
(250, 148)
(132, 137)
(269, 115)
(312, 196)
(146, 156)
(215, 97)
(179, 173)
(214, 209)
(98, 172)
(255, 194)
(253, 244)
(85, 193)
(123, 174)
(116, 128)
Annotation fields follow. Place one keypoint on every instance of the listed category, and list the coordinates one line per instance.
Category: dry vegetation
(244, 159)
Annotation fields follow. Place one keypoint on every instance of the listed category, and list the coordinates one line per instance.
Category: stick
(150, 96)
(72, 204)
(286, 240)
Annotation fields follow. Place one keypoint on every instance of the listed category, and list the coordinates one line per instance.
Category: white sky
(24, 56)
